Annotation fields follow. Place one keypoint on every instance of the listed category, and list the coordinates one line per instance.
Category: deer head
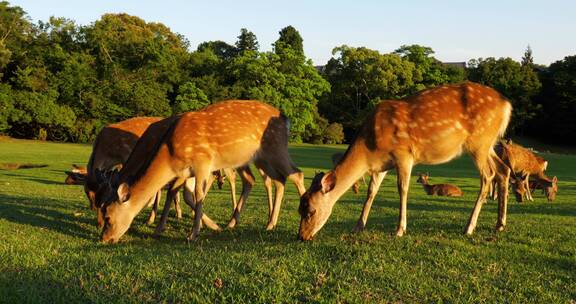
(116, 213)
(518, 188)
(423, 178)
(315, 205)
(550, 188)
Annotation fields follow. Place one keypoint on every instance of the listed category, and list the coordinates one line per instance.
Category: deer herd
(134, 160)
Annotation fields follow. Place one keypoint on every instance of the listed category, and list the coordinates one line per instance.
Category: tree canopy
(63, 81)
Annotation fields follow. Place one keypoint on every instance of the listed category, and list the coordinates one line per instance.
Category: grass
(49, 250)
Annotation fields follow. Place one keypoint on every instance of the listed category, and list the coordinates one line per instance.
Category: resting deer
(77, 176)
(227, 134)
(524, 163)
(431, 127)
(438, 189)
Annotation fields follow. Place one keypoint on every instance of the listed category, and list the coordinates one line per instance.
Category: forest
(62, 81)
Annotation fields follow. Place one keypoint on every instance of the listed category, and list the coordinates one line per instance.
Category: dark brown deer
(524, 163)
(111, 150)
(77, 176)
(431, 127)
(438, 189)
(228, 134)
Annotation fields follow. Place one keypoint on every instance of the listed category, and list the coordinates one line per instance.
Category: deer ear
(328, 182)
(123, 192)
(555, 179)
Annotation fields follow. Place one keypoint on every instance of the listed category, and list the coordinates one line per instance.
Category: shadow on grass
(38, 286)
(42, 213)
(33, 179)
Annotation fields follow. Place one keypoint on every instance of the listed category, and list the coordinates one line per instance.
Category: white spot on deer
(402, 134)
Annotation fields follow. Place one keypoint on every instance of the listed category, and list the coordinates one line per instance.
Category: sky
(455, 30)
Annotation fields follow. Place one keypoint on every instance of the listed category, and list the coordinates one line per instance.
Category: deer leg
(231, 174)
(493, 191)
(170, 196)
(248, 181)
(502, 177)
(152, 215)
(403, 169)
(202, 174)
(268, 186)
(375, 182)
(298, 179)
(99, 219)
(526, 182)
(486, 175)
(279, 186)
(190, 200)
(176, 201)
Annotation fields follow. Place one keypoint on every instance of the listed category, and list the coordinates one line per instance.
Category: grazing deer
(77, 176)
(111, 150)
(524, 163)
(431, 127)
(228, 134)
(439, 189)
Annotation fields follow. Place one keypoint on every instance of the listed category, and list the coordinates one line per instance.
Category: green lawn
(49, 250)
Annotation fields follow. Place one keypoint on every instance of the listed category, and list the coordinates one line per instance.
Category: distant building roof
(461, 65)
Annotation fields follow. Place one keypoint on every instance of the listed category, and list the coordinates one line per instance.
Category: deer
(227, 134)
(77, 176)
(110, 150)
(431, 127)
(438, 189)
(523, 163)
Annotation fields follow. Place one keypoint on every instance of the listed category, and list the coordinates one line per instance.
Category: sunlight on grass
(49, 249)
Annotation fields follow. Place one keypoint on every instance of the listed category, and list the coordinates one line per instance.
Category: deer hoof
(270, 227)
(359, 228)
(400, 232)
(500, 227)
(231, 224)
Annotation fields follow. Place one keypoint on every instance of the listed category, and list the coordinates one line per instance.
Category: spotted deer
(523, 164)
(228, 134)
(431, 127)
(438, 189)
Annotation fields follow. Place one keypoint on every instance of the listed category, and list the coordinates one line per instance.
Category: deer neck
(158, 174)
(351, 168)
(427, 187)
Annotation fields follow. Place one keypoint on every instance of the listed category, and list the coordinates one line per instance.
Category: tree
(558, 99)
(246, 41)
(289, 37)
(360, 78)
(15, 33)
(259, 76)
(220, 48)
(527, 59)
(430, 72)
(190, 98)
(518, 83)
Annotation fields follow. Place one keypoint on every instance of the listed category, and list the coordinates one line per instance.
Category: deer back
(437, 124)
